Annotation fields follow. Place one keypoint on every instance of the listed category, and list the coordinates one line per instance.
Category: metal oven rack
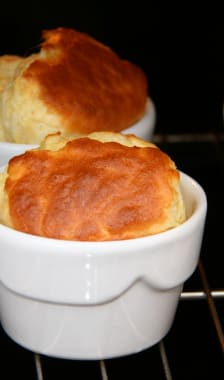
(194, 347)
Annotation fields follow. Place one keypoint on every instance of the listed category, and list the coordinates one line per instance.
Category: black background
(180, 47)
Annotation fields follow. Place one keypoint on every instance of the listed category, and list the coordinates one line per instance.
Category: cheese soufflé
(73, 84)
(99, 187)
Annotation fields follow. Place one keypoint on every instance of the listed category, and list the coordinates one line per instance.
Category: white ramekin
(145, 127)
(93, 300)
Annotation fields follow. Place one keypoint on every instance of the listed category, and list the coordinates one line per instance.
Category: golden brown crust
(90, 190)
(75, 84)
(87, 83)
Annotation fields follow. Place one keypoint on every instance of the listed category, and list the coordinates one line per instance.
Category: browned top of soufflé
(87, 83)
(93, 191)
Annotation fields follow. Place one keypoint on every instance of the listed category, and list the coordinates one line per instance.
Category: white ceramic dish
(93, 300)
(8, 150)
(144, 128)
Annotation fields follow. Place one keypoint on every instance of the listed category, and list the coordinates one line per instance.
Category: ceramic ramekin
(144, 128)
(9, 150)
(94, 300)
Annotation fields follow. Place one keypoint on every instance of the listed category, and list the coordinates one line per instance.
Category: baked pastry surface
(8, 66)
(75, 84)
(99, 187)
